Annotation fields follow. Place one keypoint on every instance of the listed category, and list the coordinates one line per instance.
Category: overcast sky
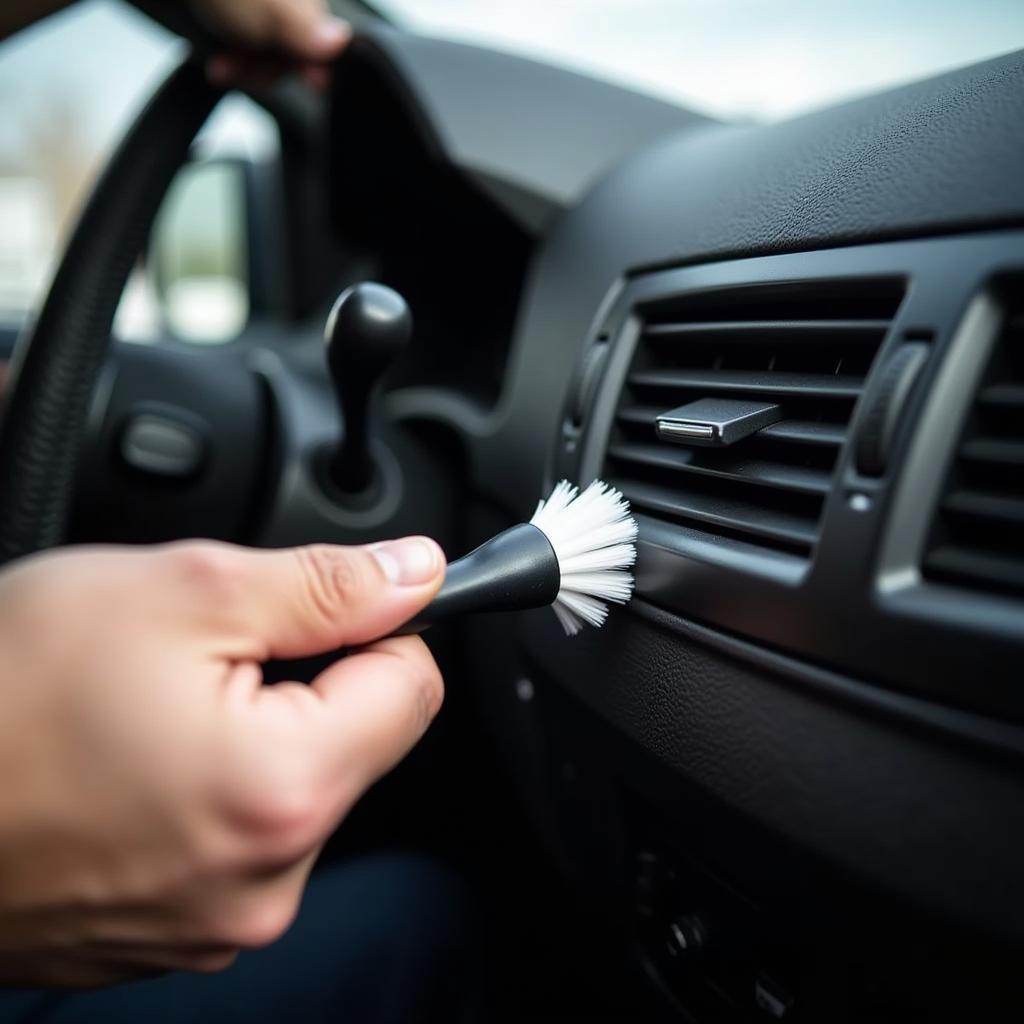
(763, 59)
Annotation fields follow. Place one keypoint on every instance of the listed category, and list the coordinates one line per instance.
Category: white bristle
(593, 536)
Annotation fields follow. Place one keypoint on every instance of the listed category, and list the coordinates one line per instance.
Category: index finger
(376, 705)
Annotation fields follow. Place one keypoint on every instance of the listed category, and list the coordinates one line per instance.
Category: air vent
(978, 537)
(806, 346)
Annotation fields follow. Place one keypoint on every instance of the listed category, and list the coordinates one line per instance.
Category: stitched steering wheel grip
(59, 357)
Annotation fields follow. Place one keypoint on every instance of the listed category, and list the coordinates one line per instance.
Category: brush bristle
(593, 536)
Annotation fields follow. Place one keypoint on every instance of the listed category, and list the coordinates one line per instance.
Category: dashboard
(815, 695)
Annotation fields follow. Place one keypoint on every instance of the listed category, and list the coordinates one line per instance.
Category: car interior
(786, 782)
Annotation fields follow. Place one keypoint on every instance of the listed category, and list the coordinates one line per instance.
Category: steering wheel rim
(58, 358)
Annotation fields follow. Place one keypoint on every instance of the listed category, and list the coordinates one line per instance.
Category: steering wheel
(59, 358)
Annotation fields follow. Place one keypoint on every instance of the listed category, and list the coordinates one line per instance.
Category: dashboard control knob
(886, 404)
(161, 443)
(368, 328)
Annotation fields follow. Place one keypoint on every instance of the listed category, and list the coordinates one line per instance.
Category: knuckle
(265, 826)
(332, 577)
(205, 564)
(283, 821)
(262, 923)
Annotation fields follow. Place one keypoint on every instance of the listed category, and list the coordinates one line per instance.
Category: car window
(750, 59)
(66, 103)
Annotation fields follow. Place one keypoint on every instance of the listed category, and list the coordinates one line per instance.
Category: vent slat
(989, 507)
(767, 330)
(749, 382)
(979, 568)
(807, 346)
(803, 432)
(739, 516)
(1002, 396)
(719, 464)
(993, 451)
(639, 415)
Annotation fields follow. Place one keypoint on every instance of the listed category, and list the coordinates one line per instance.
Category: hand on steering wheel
(267, 37)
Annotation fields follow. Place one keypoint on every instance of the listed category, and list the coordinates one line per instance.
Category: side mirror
(209, 248)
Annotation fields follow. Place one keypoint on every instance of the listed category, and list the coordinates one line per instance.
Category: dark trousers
(381, 940)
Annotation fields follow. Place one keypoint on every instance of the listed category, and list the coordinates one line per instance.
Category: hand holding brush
(574, 554)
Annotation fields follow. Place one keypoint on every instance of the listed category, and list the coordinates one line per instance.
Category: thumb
(302, 601)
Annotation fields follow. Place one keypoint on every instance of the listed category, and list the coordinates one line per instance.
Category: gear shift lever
(368, 328)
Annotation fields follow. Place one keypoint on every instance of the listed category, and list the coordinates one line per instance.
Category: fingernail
(407, 562)
(330, 34)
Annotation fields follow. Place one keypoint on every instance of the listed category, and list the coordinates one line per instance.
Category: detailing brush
(574, 554)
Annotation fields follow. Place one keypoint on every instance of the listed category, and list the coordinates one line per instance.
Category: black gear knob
(368, 328)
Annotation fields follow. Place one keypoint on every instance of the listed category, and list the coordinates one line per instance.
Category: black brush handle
(515, 570)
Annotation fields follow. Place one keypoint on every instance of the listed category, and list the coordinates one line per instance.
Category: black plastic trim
(832, 614)
(995, 737)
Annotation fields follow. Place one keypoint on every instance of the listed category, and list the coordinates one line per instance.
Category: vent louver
(807, 346)
(978, 536)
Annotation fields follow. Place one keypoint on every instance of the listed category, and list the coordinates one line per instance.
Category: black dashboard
(819, 677)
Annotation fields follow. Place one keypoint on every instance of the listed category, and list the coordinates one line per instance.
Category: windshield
(66, 100)
(750, 59)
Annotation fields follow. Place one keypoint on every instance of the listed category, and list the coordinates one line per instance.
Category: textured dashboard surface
(841, 781)
(941, 155)
(914, 810)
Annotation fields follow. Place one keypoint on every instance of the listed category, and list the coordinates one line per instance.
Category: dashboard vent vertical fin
(807, 346)
(977, 539)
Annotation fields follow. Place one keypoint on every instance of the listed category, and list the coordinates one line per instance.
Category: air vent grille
(978, 538)
(807, 346)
